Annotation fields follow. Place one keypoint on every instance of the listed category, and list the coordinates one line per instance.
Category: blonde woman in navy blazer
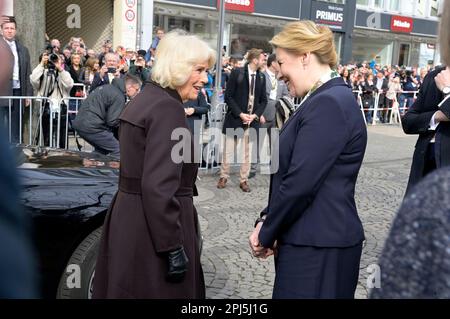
(311, 223)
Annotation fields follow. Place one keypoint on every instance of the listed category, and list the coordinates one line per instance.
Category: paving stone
(227, 217)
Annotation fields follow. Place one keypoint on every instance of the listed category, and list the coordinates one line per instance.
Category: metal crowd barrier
(32, 107)
(395, 112)
(32, 112)
(73, 105)
(210, 157)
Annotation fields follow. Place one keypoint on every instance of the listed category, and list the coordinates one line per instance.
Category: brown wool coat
(153, 211)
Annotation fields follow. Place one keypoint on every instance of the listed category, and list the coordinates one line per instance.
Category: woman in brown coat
(150, 244)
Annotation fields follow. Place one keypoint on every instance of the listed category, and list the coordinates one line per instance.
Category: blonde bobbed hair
(176, 56)
(301, 37)
(444, 33)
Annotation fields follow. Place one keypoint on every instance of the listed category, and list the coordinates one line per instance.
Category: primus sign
(239, 5)
(329, 15)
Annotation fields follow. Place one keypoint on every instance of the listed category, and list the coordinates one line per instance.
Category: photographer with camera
(139, 69)
(108, 72)
(50, 80)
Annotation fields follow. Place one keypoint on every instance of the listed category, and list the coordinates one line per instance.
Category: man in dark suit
(20, 77)
(429, 117)
(246, 99)
(381, 86)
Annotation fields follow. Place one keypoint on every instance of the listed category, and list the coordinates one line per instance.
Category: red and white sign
(401, 24)
(130, 15)
(238, 5)
(130, 3)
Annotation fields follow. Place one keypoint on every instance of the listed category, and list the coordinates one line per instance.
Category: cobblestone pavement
(227, 218)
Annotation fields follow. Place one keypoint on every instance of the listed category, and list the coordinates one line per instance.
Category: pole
(146, 24)
(218, 86)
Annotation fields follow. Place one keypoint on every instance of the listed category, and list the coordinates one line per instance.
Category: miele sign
(386, 22)
(402, 24)
(331, 15)
(239, 5)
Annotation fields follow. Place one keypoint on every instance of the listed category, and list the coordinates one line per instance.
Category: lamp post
(218, 86)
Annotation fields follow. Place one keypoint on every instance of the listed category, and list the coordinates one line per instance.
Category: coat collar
(331, 83)
(173, 93)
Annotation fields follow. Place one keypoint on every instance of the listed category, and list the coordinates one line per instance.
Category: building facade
(252, 23)
(397, 32)
(402, 32)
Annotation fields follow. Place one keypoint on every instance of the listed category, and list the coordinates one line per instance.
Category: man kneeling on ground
(98, 116)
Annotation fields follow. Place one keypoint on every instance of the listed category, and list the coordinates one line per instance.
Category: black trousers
(430, 159)
(46, 122)
(12, 125)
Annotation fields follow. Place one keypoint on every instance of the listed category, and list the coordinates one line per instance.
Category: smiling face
(197, 80)
(293, 72)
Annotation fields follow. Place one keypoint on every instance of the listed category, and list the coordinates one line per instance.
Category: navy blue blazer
(311, 199)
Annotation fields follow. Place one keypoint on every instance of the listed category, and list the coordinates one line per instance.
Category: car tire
(77, 278)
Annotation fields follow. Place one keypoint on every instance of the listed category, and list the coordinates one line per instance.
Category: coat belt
(131, 185)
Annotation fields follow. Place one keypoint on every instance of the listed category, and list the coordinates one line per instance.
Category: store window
(407, 7)
(403, 58)
(365, 49)
(338, 43)
(378, 4)
(434, 8)
(427, 54)
(245, 37)
(422, 6)
(394, 5)
(335, 1)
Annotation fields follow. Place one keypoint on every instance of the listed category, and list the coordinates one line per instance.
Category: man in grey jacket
(275, 90)
(98, 116)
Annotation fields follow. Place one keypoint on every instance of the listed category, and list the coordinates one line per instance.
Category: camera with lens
(49, 49)
(51, 64)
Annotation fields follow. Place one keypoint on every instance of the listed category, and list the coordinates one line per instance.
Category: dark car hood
(61, 182)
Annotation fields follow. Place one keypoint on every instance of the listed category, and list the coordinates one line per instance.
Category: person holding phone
(139, 68)
(108, 72)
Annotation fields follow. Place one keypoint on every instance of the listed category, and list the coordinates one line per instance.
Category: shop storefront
(338, 18)
(393, 39)
(90, 20)
(248, 23)
(252, 23)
